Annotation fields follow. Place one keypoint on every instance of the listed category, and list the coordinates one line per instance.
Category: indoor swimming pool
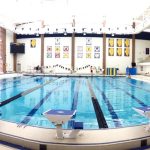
(100, 102)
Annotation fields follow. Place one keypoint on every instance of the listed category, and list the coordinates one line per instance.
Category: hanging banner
(79, 49)
(119, 42)
(97, 55)
(57, 55)
(126, 51)
(111, 42)
(66, 55)
(57, 49)
(119, 51)
(88, 49)
(111, 52)
(66, 49)
(96, 49)
(49, 55)
(126, 43)
(79, 55)
(88, 55)
(33, 43)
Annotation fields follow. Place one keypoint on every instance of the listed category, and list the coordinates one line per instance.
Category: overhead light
(65, 31)
(83, 29)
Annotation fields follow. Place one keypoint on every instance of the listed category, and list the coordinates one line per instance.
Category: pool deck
(105, 139)
(33, 137)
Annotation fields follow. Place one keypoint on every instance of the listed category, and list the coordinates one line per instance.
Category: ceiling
(63, 16)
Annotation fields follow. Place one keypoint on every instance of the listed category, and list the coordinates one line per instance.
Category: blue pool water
(24, 99)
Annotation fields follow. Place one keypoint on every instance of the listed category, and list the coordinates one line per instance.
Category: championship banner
(79, 49)
(119, 51)
(111, 42)
(33, 43)
(79, 55)
(119, 42)
(66, 55)
(88, 55)
(96, 49)
(57, 55)
(97, 55)
(126, 43)
(66, 49)
(57, 49)
(126, 51)
(111, 51)
(49, 55)
(88, 49)
(49, 48)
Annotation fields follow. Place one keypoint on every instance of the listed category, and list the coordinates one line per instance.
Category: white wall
(32, 56)
(140, 46)
(9, 56)
(115, 61)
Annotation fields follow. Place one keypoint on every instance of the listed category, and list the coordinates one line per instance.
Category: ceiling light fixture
(65, 31)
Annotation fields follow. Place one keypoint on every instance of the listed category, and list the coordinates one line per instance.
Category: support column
(42, 51)
(133, 48)
(104, 53)
(14, 54)
(2, 50)
(73, 52)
